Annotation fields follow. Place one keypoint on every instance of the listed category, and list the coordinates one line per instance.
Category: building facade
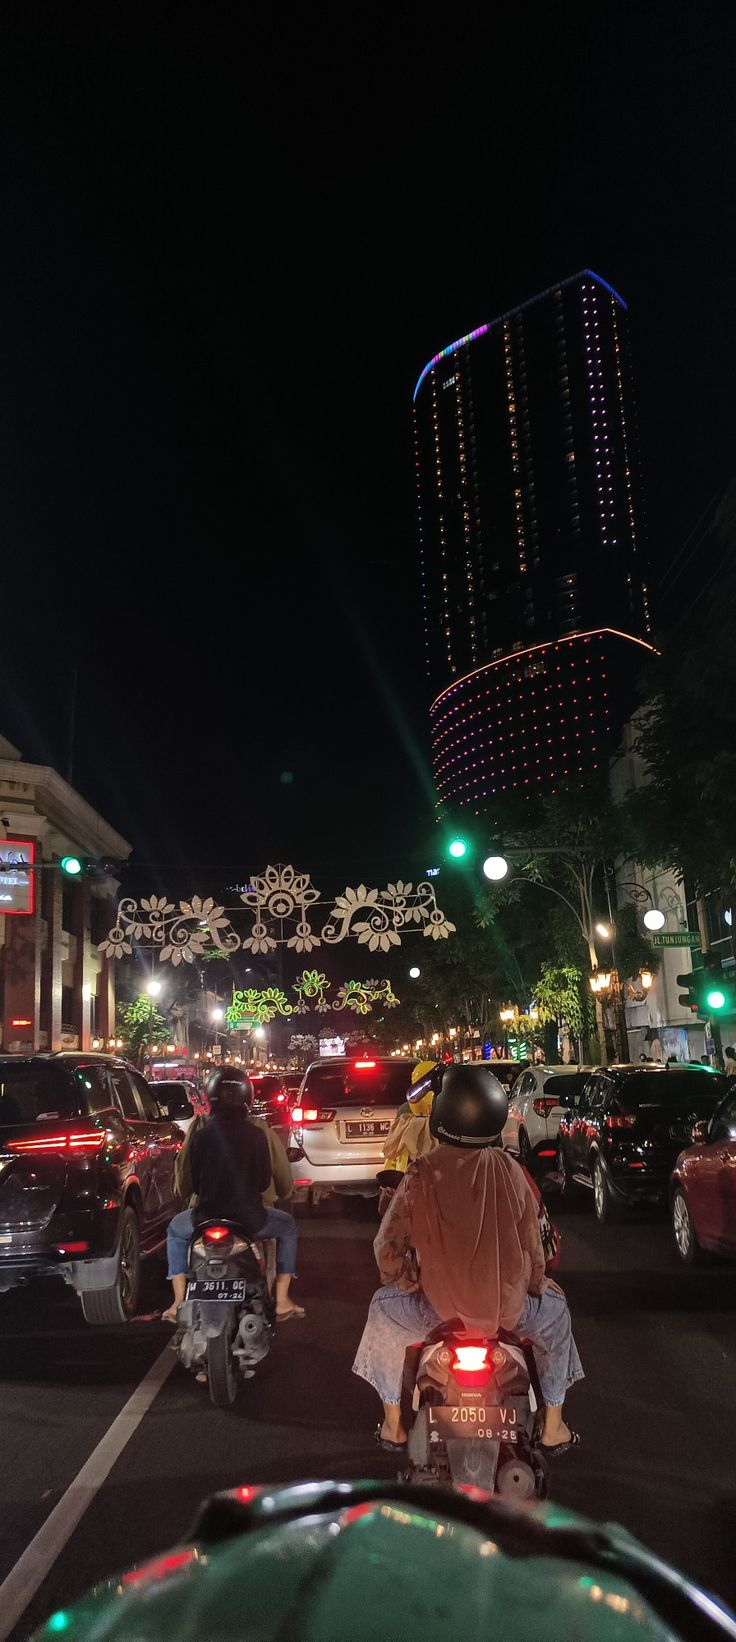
(530, 529)
(57, 990)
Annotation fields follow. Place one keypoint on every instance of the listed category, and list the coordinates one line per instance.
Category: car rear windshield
(507, 1071)
(565, 1085)
(32, 1091)
(354, 1086)
(702, 1089)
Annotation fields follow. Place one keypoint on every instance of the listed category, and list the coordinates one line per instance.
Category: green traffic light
(71, 865)
(457, 849)
(715, 999)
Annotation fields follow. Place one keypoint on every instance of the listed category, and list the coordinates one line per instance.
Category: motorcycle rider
(231, 1171)
(461, 1239)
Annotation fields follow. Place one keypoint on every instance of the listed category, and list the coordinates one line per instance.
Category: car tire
(525, 1152)
(605, 1204)
(222, 1373)
(683, 1231)
(568, 1186)
(119, 1302)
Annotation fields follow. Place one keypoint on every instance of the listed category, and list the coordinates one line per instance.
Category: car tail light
(544, 1105)
(471, 1366)
(620, 1120)
(216, 1234)
(310, 1114)
(546, 1151)
(365, 1065)
(71, 1248)
(75, 1142)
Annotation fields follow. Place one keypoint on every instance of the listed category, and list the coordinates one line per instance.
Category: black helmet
(229, 1087)
(471, 1107)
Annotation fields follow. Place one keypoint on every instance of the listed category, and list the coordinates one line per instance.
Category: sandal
(294, 1311)
(390, 1447)
(554, 1448)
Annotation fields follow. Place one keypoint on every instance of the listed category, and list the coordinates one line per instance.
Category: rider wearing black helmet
(230, 1164)
(461, 1239)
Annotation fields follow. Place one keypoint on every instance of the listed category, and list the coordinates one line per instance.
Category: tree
(560, 996)
(139, 1025)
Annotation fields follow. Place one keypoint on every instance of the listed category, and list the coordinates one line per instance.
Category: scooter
(472, 1411)
(225, 1324)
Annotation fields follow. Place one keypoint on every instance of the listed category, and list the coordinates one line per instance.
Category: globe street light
(154, 989)
(604, 931)
(414, 972)
(217, 1014)
(495, 867)
(653, 919)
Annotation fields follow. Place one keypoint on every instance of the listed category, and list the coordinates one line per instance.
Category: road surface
(655, 1412)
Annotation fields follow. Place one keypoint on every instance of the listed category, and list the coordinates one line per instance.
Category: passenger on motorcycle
(409, 1135)
(461, 1239)
(231, 1173)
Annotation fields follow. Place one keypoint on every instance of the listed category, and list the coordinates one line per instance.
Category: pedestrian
(729, 1061)
(461, 1238)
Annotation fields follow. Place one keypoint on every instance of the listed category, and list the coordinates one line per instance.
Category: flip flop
(560, 1447)
(390, 1447)
(294, 1311)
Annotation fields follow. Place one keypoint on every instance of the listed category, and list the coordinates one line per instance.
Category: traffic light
(689, 996)
(458, 848)
(708, 991)
(72, 865)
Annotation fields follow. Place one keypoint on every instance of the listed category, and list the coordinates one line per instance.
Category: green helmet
(362, 1562)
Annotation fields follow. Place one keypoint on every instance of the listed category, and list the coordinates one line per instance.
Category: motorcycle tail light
(470, 1365)
(621, 1120)
(216, 1234)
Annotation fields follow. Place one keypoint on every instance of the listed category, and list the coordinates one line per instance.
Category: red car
(703, 1190)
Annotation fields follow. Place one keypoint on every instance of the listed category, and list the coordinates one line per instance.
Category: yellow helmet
(421, 1069)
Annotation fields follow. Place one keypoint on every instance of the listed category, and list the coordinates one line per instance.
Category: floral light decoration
(282, 903)
(251, 1006)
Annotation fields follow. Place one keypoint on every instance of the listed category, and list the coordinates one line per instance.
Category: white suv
(343, 1113)
(537, 1100)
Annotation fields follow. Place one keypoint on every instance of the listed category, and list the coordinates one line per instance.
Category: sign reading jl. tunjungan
(16, 876)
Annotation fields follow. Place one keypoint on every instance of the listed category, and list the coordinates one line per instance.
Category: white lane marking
(24, 1580)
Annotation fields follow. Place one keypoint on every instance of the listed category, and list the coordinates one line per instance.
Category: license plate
(472, 1420)
(230, 1289)
(366, 1131)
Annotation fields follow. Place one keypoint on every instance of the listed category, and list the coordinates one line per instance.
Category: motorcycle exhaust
(252, 1340)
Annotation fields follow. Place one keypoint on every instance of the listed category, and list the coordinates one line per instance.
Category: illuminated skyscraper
(534, 598)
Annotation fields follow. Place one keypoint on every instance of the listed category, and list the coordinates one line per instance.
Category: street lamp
(495, 867)
(604, 931)
(647, 979)
(153, 989)
(653, 919)
(414, 972)
(217, 1014)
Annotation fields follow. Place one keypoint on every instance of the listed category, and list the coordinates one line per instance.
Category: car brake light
(471, 1366)
(621, 1120)
(310, 1114)
(71, 1248)
(280, 1099)
(69, 1141)
(216, 1234)
(545, 1104)
(365, 1065)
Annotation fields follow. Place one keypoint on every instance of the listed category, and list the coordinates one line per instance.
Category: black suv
(628, 1126)
(86, 1176)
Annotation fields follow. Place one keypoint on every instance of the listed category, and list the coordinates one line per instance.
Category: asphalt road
(656, 1411)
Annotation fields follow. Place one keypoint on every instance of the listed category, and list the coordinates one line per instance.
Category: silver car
(344, 1110)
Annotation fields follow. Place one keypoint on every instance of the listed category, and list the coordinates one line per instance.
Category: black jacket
(231, 1168)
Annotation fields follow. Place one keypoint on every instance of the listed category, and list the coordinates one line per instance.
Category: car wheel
(525, 1152)
(686, 1242)
(568, 1187)
(604, 1202)
(119, 1302)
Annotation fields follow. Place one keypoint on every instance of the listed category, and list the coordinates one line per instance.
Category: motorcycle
(225, 1323)
(471, 1407)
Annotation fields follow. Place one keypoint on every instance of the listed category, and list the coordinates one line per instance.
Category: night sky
(228, 245)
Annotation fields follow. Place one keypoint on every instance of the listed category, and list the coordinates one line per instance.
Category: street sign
(684, 937)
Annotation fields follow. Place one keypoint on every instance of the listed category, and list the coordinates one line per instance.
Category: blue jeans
(397, 1320)
(277, 1224)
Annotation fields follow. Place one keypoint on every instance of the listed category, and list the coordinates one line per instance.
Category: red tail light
(621, 1120)
(74, 1141)
(471, 1366)
(216, 1234)
(71, 1248)
(310, 1114)
(544, 1105)
(365, 1065)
